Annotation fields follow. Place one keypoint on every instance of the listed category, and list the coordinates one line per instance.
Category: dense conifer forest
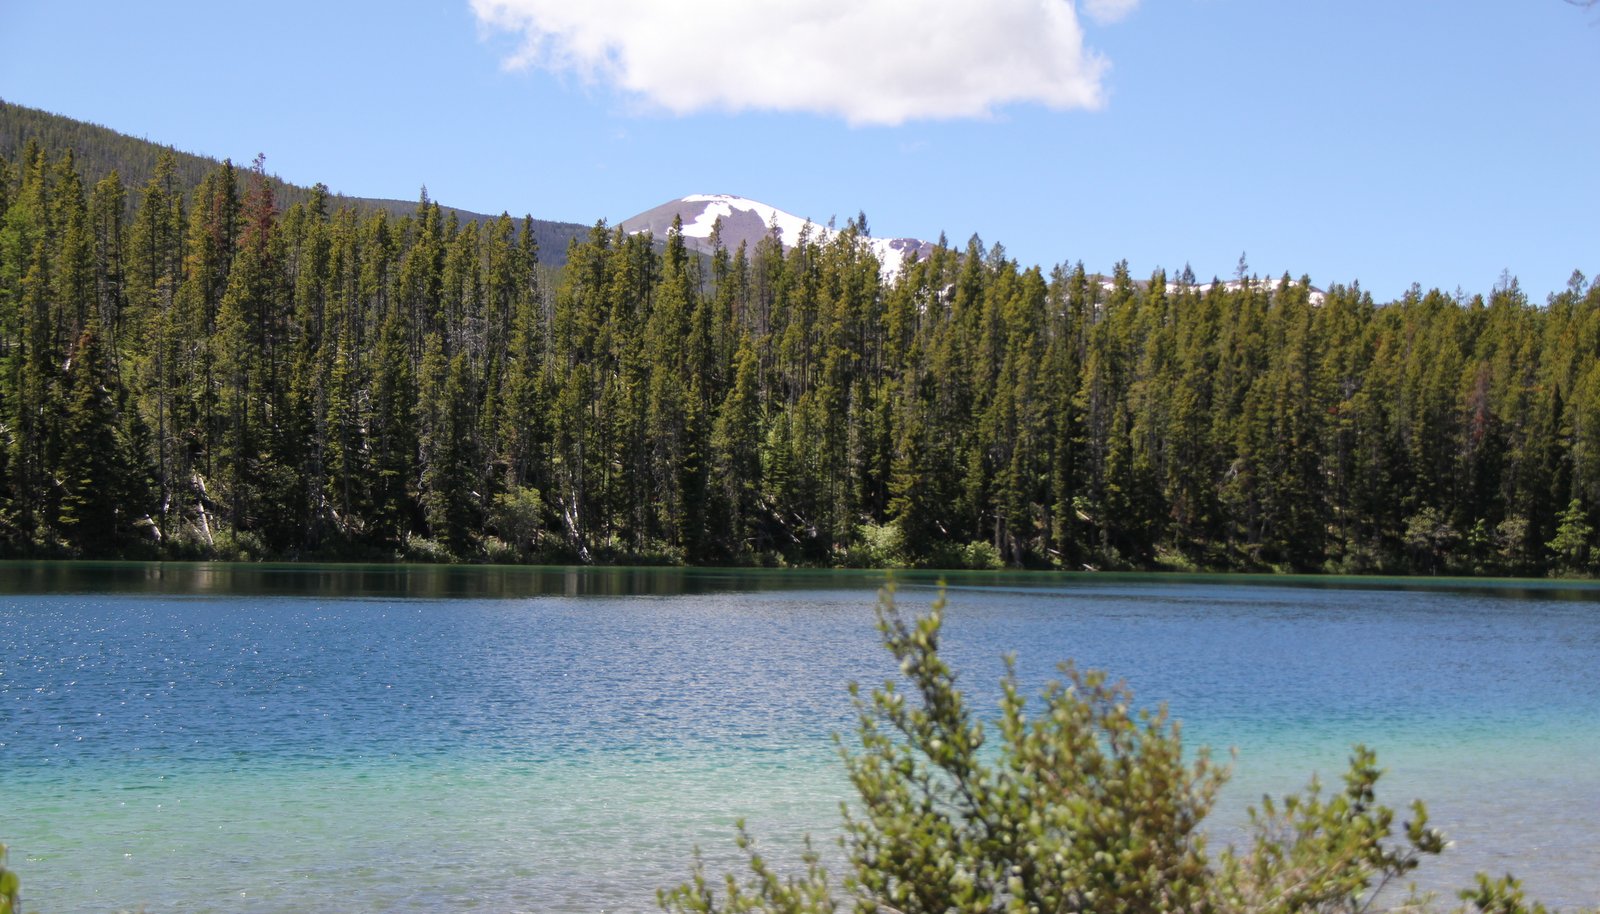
(215, 366)
(98, 151)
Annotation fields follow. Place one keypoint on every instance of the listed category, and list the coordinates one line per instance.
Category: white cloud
(867, 61)
(1106, 12)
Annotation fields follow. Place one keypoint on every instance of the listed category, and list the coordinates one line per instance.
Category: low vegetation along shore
(195, 370)
(1088, 805)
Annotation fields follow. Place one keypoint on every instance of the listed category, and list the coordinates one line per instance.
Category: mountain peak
(748, 221)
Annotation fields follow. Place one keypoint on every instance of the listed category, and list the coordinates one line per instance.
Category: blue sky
(1387, 142)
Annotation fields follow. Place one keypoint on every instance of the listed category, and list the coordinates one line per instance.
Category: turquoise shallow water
(217, 739)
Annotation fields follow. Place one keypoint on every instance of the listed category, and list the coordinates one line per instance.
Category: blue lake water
(227, 738)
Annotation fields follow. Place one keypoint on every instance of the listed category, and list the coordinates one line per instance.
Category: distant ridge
(747, 221)
(100, 150)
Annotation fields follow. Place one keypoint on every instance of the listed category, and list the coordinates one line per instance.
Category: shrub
(877, 546)
(1085, 806)
(517, 514)
(417, 548)
(981, 556)
(10, 887)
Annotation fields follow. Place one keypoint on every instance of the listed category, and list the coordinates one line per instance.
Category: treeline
(194, 373)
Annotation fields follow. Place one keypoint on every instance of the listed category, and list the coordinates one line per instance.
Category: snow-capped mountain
(748, 221)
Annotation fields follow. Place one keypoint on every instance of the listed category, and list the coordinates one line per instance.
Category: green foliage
(286, 373)
(10, 887)
(766, 888)
(1572, 540)
(1328, 855)
(980, 556)
(92, 491)
(1430, 537)
(517, 515)
(1499, 896)
(1082, 804)
(102, 151)
(1088, 805)
(878, 546)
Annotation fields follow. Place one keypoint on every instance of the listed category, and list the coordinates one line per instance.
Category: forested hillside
(206, 371)
(99, 151)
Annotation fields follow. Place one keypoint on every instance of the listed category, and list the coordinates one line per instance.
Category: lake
(254, 738)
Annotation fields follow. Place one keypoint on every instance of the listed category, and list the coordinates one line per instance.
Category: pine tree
(107, 208)
(449, 447)
(32, 356)
(101, 488)
(736, 462)
(256, 476)
(1573, 542)
(392, 435)
(153, 326)
(72, 278)
(525, 395)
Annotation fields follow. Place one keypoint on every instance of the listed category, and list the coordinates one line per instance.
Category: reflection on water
(514, 581)
(407, 581)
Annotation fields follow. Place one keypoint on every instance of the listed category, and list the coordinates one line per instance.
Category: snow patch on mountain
(724, 206)
(748, 221)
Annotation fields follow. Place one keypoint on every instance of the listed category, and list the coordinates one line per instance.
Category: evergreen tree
(449, 448)
(392, 435)
(101, 487)
(32, 355)
(106, 216)
(1573, 542)
(736, 461)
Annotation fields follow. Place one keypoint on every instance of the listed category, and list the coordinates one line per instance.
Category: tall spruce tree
(102, 487)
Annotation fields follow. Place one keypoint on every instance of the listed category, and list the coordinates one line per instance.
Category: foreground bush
(1087, 805)
(10, 887)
